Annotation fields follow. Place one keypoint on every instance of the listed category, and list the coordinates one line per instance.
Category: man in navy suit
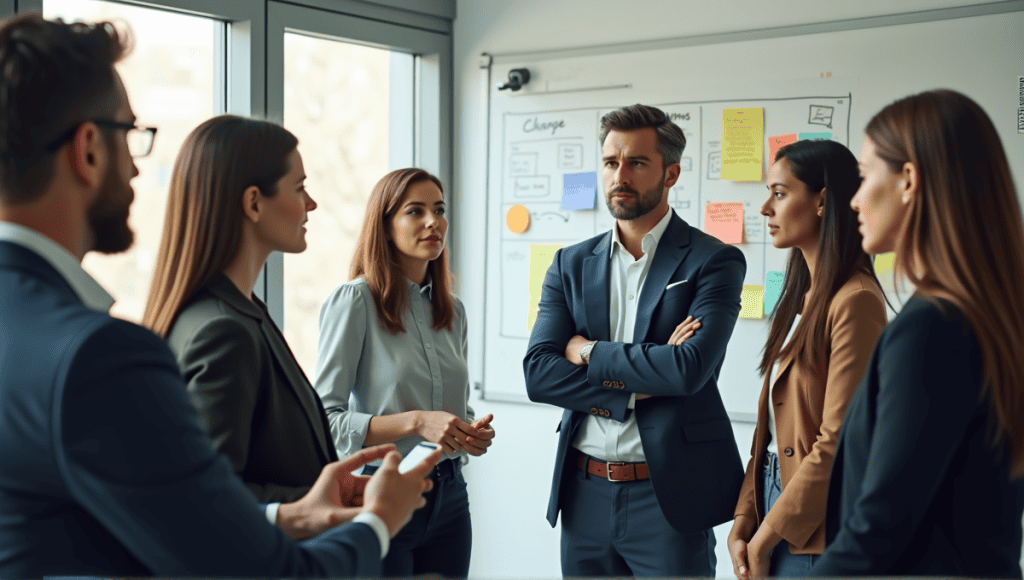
(647, 463)
(105, 468)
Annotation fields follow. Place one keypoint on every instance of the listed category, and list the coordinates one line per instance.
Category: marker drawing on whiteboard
(820, 115)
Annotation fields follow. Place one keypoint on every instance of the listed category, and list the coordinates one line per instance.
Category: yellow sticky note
(884, 265)
(541, 256)
(752, 301)
(742, 144)
(724, 221)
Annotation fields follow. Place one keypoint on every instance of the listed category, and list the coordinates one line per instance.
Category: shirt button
(630, 296)
(428, 346)
(420, 320)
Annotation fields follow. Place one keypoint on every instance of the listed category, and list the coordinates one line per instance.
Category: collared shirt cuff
(632, 401)
(272, 512)
(378, 527)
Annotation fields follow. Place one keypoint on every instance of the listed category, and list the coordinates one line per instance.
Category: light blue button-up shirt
(363, 370)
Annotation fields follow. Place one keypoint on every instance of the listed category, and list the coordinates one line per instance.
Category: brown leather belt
(616, 471)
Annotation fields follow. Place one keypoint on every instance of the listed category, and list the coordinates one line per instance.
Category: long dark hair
(377, 258)
(203, 226)
(962, 238)
(819, 164)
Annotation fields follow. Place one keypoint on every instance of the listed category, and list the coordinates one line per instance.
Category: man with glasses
(105, 469)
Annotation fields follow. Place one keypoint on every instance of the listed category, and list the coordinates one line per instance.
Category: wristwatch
(585, 351)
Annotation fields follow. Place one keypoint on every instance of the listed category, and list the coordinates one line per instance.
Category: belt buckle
(609, 465)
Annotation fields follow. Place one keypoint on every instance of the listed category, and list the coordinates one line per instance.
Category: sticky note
(517, 219)
(777, 142)
(541, 256)
(825, 135)
(742, 144)
(724, 221)
(884, 266)
(579, 190)
(772, 290)
(752, 301)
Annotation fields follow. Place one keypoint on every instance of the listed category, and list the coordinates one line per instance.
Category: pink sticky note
(724, 221)
(775, 143)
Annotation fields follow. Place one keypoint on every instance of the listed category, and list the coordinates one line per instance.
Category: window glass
(336, 98)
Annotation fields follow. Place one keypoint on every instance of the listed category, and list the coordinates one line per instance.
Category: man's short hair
(53, 77)
(671, 141)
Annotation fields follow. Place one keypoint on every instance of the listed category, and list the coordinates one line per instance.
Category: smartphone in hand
(416, 455)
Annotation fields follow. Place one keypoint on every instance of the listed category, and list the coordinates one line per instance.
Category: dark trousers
(618, 529)
(439, 538)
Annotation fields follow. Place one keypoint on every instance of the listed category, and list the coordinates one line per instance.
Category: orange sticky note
(724, 221)
(777, 142)
(517, 219)
(743, 144)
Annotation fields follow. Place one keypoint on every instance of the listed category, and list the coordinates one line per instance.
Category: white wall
(509, 486)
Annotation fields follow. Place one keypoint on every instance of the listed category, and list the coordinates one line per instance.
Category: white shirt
(94, 297)
(773, 443)
(88, 290)
(599, 437)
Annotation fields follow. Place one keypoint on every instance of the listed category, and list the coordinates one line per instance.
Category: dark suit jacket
(105, 470)
(686, 435)
(252, 397)
(915, 488)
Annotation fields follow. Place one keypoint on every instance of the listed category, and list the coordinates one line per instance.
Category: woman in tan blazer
(823, 328)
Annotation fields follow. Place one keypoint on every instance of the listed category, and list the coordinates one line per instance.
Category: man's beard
(645, 202)
(108, 218)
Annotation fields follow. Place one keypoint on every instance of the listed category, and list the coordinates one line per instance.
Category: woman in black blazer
(927, 479)
(237, 195)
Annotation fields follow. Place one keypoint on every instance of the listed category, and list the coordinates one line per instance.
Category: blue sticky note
(825, 135)
(772, 290)
(579, 190)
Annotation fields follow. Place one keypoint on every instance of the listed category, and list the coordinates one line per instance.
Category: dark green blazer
(253, 398)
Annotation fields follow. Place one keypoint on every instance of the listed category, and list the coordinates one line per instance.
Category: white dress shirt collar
(650, 240)
(89, 291)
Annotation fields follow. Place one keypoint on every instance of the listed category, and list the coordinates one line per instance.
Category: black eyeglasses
(140, 139)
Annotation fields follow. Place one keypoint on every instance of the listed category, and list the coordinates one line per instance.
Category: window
(336, 101)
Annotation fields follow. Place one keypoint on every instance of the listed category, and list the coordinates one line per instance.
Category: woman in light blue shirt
(392, 365)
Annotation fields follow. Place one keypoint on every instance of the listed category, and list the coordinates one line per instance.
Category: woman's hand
(742, 530)
(684, 331)
(445, 429)
(478, 444)
(760, 550)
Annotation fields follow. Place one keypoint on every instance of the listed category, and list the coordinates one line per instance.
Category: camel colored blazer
(809, 409)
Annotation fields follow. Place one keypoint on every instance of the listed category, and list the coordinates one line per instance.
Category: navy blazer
(686, 434)
(916, 488)
(105, 470)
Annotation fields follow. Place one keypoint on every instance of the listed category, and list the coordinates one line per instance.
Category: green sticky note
(772, 290)
(825, 135)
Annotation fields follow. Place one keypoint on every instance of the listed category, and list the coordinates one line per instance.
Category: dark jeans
(784, 564)
(439, 537)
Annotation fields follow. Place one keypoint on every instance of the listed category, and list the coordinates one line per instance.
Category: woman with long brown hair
(236, 195)
(827, 319)
(391, 365)
(927, 479)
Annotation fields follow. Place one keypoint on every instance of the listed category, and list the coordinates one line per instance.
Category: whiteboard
(820, 82)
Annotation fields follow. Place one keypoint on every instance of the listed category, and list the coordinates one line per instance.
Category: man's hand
(477, 445)
(572, 350)
(445, 429)
(394, 496)
(334, 499)
(684, 331)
